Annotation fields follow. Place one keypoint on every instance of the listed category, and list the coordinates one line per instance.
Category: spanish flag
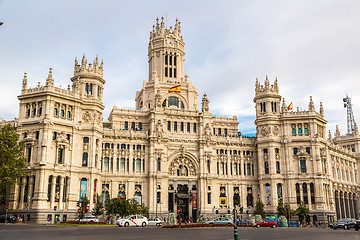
(290, 107)
(175, 89)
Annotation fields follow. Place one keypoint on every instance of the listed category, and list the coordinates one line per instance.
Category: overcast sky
(312, 47)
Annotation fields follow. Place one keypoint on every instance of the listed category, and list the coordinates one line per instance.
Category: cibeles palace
(171, 152)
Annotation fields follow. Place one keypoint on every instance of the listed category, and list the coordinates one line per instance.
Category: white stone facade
(168, 154)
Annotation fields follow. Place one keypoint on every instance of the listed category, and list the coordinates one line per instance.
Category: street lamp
(1, 23)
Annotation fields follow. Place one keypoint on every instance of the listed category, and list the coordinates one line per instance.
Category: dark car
(345, 223)
(357, 225)
(10, 219)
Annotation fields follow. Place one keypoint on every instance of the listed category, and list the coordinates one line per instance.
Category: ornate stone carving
(264, 131)
(276, 130)
(207, 132)
(86, 116)
(182, 166)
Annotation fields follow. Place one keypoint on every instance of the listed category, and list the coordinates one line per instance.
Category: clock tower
(166, 52)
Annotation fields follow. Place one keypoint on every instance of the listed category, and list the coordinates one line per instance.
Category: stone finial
(24, 82)
(276, 86)
(284, 107)
(83, 61)
(205, 104)
(162, 24)
(337, 131)
(267, 84)
(356, 130)
(321, 109)
(257, 85)
(311, 105)
(50, 79)
(330, 137)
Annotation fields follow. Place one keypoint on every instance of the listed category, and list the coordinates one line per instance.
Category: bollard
(236, 237)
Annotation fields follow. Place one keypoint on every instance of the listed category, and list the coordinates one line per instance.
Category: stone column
(346, 203)
(356, 209)
(31, 190)
(52, 192)
(342, 207)
(351, 206)
(61, 193)
(337, 205)
(21, 205)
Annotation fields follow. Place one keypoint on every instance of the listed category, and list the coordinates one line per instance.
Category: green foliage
(285, 210)
(202, 219)
(259, 209)
(282, 221)
(302, 211)
(99, 207)
(171, 219)
(82, 203)
(124, 207)
(258, 218)
(12, 161)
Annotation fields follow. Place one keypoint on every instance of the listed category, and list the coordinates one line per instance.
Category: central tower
(167, 87)
(166, 52)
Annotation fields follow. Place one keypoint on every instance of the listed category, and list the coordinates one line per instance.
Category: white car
(133, 220)
(88, 219)
(154, 222)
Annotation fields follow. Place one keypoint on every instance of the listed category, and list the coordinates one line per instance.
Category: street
(54, 232)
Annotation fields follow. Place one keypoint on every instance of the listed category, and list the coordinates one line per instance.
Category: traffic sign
(27, 210)
(178, 210)
(87, 208)
(55, 207)
(79, 210)
(7, 207)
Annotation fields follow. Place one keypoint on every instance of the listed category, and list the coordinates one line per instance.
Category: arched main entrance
(183, 187)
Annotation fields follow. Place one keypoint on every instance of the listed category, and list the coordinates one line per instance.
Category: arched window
(62, 113)
(132, 126)
(90, 89)
(266, 165)
(312, 193)
(140, 125)
(55, 112)
(68, 114)
(279, 192)
(173, 101)
(305, 195)
(86, 89)
(293, 131)
(105, 197)
(126, 125)
(85, 159)
(106, 164)
(308, 150)
(298, 199)
(302, 166)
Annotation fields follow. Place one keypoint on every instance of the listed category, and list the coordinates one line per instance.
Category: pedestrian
(319, 224)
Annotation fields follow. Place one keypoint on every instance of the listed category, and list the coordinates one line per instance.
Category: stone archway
(182, 166)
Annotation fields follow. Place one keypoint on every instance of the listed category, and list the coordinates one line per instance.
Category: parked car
(220, 221)
(154, 222)
(357, 225)
(345, 223)
(10, 219)
(267, 223)
(133, 220)
(91, 219)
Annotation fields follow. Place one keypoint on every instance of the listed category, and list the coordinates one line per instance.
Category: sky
(312, 47)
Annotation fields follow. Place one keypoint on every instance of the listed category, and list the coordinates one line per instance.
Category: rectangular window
(266, 167)
(174, 72)
(29, 154)
(166, 72)
(169, 126)
(159, 164)
(175, 60)
(293, 131)
(299, 131)
(106, 164)
(166, 59)
(188, 127)
(209, 197)
(175, 126)
(60, 155)
(182, 127)
(170, 72)
(158, 197)
(127, 164)
(122, 164)
(303, 166)
(295, 151)
(208, 166)
(248, 169)
(221, 168)
(170, 60)
(117, 164)
(235, 169)
(219, 131)
(138, 165)
(306, 131)
(194, 130)
(307, 150)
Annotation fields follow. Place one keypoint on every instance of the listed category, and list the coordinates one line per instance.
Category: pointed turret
(50, 79)
(321, 109)
(284, 107)
(330, 137)
(257, 85)
(157, 25)
(162, 24)
(267, 84)
(337, 132)
(276, 87)
(311, 105)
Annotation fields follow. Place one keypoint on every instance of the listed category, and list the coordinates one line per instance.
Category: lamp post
(1, 23)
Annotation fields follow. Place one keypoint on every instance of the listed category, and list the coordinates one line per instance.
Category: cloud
(312, 47)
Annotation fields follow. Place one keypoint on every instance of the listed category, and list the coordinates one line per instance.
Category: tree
(281, 211)
(99, 206)
(12, 161)
(82, 203)
(302, 211)
(118, 206)
(259, 209)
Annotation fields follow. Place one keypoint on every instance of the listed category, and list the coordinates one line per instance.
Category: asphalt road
(39, 232)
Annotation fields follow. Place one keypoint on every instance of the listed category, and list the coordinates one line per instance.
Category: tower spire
(50, 79)
(311, 105)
